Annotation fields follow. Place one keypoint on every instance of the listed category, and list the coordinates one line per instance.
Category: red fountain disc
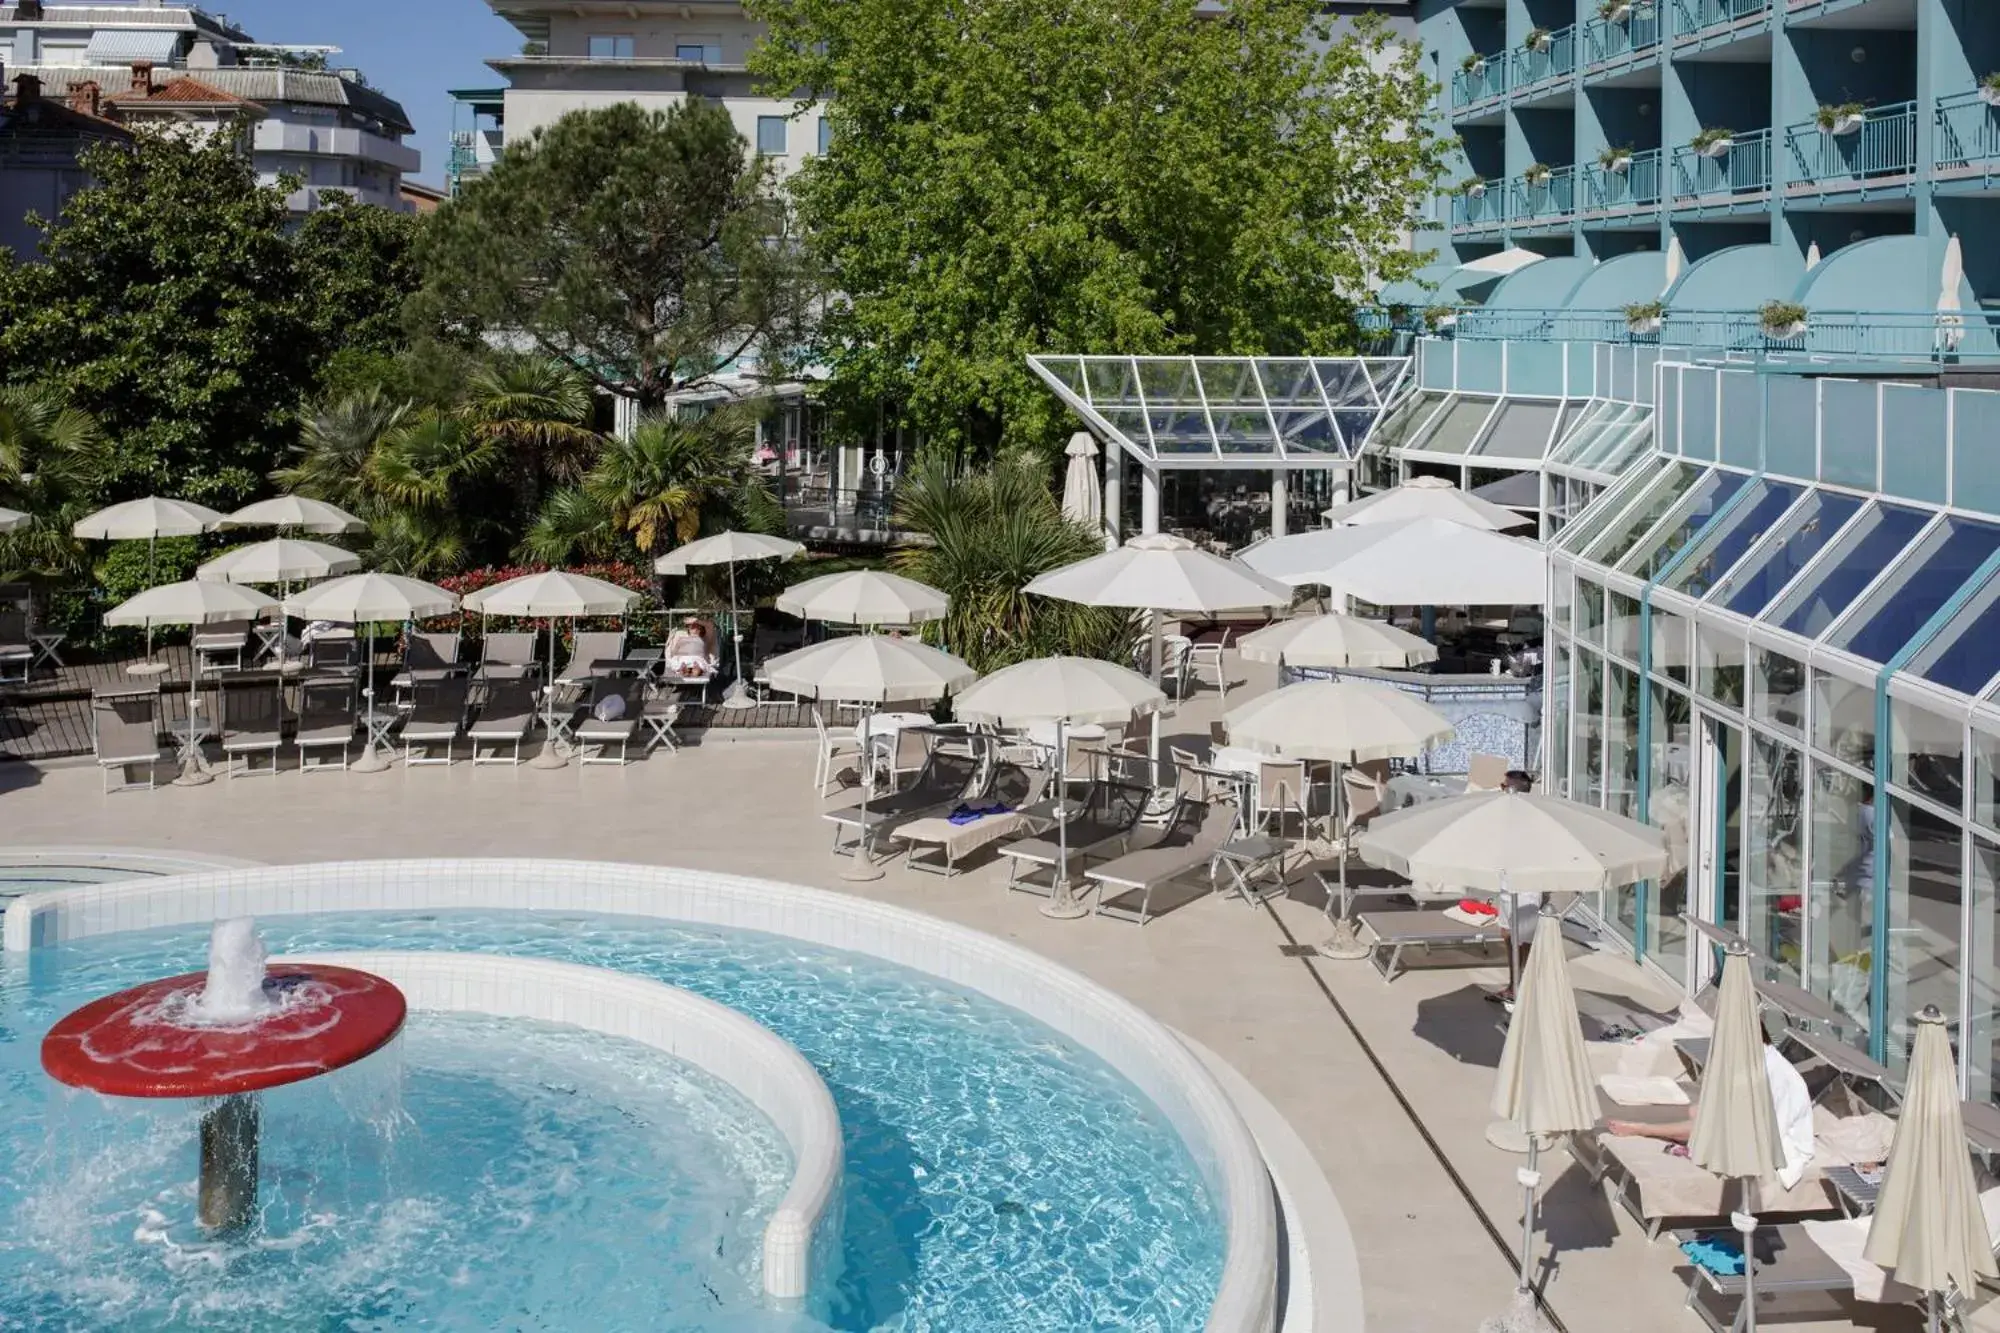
(130, 1044)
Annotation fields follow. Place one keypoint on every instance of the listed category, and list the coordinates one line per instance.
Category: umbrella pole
(1530, 1178)
(738, 694)
(1153, 722)
(549, 757)
(864, 870)
(1344, 942)
(371, 760)
(192, 773)
(1062, 905)
(1746, 1227)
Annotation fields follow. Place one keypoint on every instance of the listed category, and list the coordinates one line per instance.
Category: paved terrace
(1387, 1084)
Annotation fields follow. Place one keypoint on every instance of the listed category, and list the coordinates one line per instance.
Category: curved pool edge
(801, 1241)
(152, 861)
(1140, 1048)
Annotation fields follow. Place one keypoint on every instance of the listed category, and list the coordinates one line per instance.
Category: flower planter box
(1618, 166)
(1642, 327)
(1990, 96)
(1845, 125)
(1717, 149)
(1783, 331)
(1475, 191)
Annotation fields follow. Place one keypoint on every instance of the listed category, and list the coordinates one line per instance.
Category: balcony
(1551, 200)
(1697, 18)
(1909, 335)
(275, 136)
(1637, 188)
(1480, 210)
(1482, 83)
(1739, 174)
(1556, 61)
(1882, 151)
(1605, 41)
(1967, 133)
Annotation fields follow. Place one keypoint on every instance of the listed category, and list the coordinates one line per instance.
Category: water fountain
(225, 1034)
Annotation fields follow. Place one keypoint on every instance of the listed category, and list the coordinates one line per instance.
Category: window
(771, 135)
(605, 46)
(703, 53)
(825, 136)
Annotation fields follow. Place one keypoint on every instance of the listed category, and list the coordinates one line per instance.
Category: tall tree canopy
(1142, 176)
(179, 306)
(644, 248)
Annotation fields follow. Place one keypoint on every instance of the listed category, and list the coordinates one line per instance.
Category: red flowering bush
(642, 624)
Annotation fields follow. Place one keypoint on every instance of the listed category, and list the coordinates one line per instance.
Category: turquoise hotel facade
(1709, 296)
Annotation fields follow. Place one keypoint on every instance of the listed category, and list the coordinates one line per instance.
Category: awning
(114, 46)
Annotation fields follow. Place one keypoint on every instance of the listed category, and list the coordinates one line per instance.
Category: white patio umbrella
(147, 520)
(1336, 641)
(1425, 497)
(1067, 691)
(730, 548)
(1928, 1224)
(13, 520)
(1544, 1086)
(294, 511)
(1735, 1123)
(1082, 501)
(864, 597)
(193, 602)
(279, 560)
(869, 669)
(554, 594)
(1414, 562)
(367, 599)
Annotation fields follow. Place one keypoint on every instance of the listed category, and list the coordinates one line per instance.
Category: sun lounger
(937, 844)
(619, 731)
(1187, 842)
(427, 657)
(591, 646)
(436, 718)
(944, 781)
(507, 656)
(504, 722)
(220, 644)
(253, 721)
(1104, 829)
(125, 734)
(326, 721)
(1391, 934)
(334, 652)
(17, 646)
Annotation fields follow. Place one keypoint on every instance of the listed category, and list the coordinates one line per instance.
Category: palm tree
(538, 411)
(53, 463)
(425, 475)
(335, 447)
(991, 533)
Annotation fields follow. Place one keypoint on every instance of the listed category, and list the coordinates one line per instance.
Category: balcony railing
(1485, 80)
(1638, 186)
(1480, 210)
(1921, 335)
(1556, 61)
(1744, 169)
(1696, 16)
(1479, 322)
(1605, 40)
(1885, 145)
(1968, 133)
(1549, 199)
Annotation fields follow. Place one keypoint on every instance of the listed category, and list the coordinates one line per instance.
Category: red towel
(1790, 902)
(1477, 907)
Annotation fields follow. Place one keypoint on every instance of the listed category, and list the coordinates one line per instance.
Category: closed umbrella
(1425, 497)
(294, 511)
(555, 594)
(730, 548)
(1735, 1123)
(1413, 562)
(1545, 1087)
(13, 520)
(869, 669)
(1928, 1225)
(1336, 641)
(366, 599)
(864, 597)
(193, 602)
(1066, 691)
(1082, 502)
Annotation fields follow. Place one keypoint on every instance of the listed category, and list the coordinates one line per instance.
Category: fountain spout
(234, 990)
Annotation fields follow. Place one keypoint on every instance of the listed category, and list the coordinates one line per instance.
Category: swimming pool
(34, 869)
(999, 1175)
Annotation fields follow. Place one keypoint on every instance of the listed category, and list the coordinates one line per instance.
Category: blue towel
(972, 813)
(1716, 1252)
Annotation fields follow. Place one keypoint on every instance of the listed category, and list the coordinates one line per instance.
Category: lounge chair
(937, 844)
(221, 643)
(334, 653)
(125, 734)
(591, 646)
(507, 656)
(619, 731)
(1104, 829)
(1186, 842)
(253, 720)
(437, 715)
(17, 646)
(1391, 934)
(427, 657)
(945, 780)
(504, 721)
(326, 721)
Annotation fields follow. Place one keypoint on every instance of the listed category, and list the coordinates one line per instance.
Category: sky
(414, 50)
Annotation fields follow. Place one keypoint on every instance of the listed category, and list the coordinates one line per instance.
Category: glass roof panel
(1227, 380)
(1346, 384)
(1289, 383)
(1572, 410)
(1308, 431)
(1678, 529)
(1181, 432)
(1965, 655)
(1735, 535)
(1865, 550)
(1167, 383)
(1355, 422)
(1454, 428)
(1383, 374)
(1520, 430)
(1636, 440)
(1660, 497)
(1594, 416)
(1245, 433)
(1129, 422)
(1408, 415)
(1607, 506)
(1067, 369)
(1763, 575)
(1111, 380)
(1921, 583)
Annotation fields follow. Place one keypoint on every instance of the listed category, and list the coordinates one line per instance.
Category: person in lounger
(1789, 1099)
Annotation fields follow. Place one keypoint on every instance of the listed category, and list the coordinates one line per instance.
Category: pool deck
(1386, 1084)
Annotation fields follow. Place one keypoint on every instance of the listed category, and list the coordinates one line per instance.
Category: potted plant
(1440, 317)
(1473, 187)
(1989, 89)
(1473, 64)
(1616, 159)
(1538, 39)
(1643, 317)
(1537, 174)
(1713, 141)
(1614, 11)
(1781, 319)
(1841, 118)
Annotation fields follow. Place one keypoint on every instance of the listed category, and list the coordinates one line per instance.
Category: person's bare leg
(1675, 1132)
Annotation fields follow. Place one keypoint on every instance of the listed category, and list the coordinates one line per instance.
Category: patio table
(1408, 789)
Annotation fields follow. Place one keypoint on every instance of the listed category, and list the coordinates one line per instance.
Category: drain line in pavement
(1305, 955)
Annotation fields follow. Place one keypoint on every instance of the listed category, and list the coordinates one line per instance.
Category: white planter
(1619, 14)
(1950, 332)
(1716, 149)
(1791, 330)
(1475, 191)
(1990, 96)
(1535, 182)
(1445, 323)
(1617, 166)
(1845, 125)
(1650, 324)
(1475, 69)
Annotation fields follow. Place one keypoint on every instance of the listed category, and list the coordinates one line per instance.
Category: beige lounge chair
(937, 845)
(1188, 841)
(436, 718)
(253, 721)
(1111, 814)
(504, 722)
(326, 721)
(945, 780)
(508, 655)
(125, 734)
(1392, 934)
(591, 646)
(427, 657)
(223, 639)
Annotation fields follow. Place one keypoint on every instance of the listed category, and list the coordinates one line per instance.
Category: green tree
(1137, 176)
(992, 532)
(356, 263)
(52, 462)
(646, 249)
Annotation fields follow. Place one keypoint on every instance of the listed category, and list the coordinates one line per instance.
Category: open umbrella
(1425, 497)
(147, 520)
(1082, 501)
(864, 597)
(294, 511)
(869, 669)
(1066, 691)
(280, 560)
(367, 599)
(1544, 1086)
(1413, 562)
(1336, 641)
(193, 602)
(13, 520)
(554, 594)
(730, 548)
(1928, 1224)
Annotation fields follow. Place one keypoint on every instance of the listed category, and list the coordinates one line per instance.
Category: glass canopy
(1207, 412)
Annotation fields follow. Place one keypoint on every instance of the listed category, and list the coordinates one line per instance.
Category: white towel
(1630, 1090)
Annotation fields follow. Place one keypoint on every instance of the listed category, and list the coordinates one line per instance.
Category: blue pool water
(998, 1176)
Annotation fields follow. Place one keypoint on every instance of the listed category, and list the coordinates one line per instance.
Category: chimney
(142, 78)
(86, 97)
(27, 88)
